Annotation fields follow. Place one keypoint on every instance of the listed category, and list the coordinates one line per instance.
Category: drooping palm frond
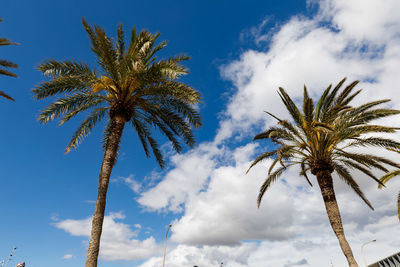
(271, 179)
(323, 134)
(3, 94)
(86, 127)
(345, 175)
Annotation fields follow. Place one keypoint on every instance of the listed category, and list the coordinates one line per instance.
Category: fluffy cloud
(117, 241)
(189, 177)
(226, 212)
(184, 255)
(208, 185)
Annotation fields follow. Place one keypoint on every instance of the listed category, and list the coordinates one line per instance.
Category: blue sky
(241, 51)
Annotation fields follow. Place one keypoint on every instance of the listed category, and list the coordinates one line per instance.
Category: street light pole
(362, 250)
(165, 244)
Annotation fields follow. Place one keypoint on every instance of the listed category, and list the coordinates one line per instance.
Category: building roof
(391, 261)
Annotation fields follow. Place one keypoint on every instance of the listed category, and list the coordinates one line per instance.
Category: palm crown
(131, 83)
(322, 137)
(5, 64)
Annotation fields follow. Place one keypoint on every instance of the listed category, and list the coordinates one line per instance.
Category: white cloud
(184, 255)
(359, 39)
(190, 175)
(117, 241)
(297, 263)
(226, 212)
(134, 185)
(67, 256)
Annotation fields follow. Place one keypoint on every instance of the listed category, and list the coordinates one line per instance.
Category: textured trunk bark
(110, 155)
(326, 184)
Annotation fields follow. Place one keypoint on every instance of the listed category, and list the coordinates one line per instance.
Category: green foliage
(326, 135)
(129, 81)
(5, 64)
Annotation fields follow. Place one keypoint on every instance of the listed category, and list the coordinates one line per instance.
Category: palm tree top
(129, 82)
(324, 136)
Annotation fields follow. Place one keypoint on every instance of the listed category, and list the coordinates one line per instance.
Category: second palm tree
(319, 141)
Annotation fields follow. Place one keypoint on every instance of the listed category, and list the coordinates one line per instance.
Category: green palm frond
(173, 89)
(5, 41)
(320, 103)
(7, 64)
(304, 170)
(86, 127)
(146, 140)
(308, 107)
(3, 94)
(388, 176)
(291, 107)
(398, 206)
(54, 69)
(261, 157)
(176, 123)
(120, 41)
(103, 48)
(69, 106)
(186, 110)
(271, 179)
(62, 85)
(344, 174)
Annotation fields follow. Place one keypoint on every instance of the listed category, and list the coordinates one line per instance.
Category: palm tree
(385, 178)
(130, 85)
(6, 64)
(322, 139)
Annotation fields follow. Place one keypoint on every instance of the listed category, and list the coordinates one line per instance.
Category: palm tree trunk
(325, 182)
(398, 206)
(110, 155)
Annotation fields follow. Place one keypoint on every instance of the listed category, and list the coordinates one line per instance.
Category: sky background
(241, 51)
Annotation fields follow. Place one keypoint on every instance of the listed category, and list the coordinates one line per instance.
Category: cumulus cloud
(226, 212)
(189, 176)
(207, 188)
(118, 239)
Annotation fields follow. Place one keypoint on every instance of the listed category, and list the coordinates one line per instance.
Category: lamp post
(362, 250)
(165, 244)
